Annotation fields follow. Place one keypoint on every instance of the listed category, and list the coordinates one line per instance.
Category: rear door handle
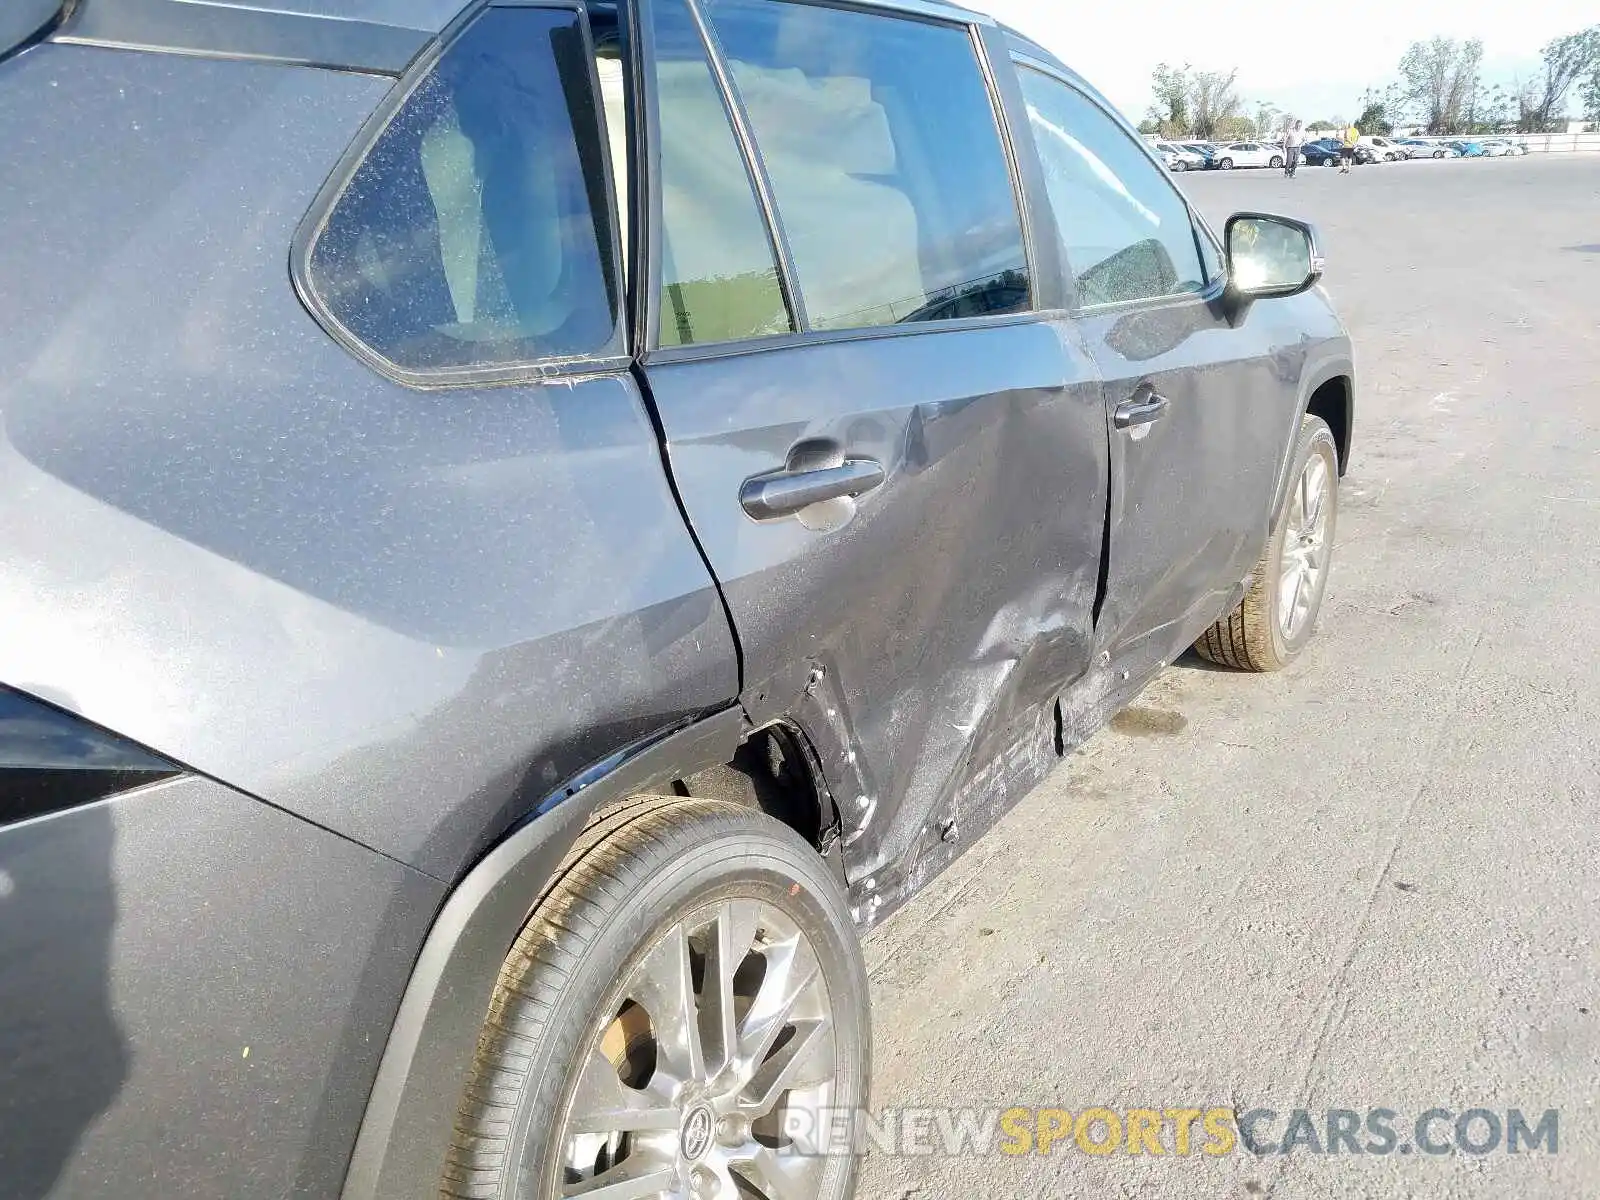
(1145, 408)
(784, 493)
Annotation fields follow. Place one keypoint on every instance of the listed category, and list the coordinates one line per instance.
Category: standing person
(1347, 148)
(1293, 138)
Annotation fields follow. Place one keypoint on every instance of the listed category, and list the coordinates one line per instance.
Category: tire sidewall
(1315, 438)
(756, 862)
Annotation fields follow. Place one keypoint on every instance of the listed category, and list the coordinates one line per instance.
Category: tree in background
(1567, 60)
(1269, 119)
(1234, 129)
(1214, 101)
(1170, 112)
(1374, 115)
(1591, 97)
(1493, 111)
(1439, 77)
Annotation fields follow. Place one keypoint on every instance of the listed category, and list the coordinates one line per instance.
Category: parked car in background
(1247, 154)
(1469, 149)
(1380, 149)
(1324, 152)
(1418, 148)
(1181, 157)
(1206, 151)
(1497, 148)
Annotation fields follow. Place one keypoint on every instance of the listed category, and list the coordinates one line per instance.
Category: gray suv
(529, 527)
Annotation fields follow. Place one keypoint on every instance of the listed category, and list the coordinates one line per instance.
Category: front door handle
(784, 493)
(1145, 408)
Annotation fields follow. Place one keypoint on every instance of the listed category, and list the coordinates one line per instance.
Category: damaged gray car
(530, 526)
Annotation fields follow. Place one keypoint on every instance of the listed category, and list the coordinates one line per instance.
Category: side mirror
(1269, 257)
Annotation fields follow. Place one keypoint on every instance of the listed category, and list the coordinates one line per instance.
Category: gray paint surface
(196, 989)
(1367, 881)
(406, 615)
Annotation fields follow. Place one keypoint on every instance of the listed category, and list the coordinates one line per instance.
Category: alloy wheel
(1305, 547)
(690, 1090)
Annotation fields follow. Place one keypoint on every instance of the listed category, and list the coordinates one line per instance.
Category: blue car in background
(1468, 149)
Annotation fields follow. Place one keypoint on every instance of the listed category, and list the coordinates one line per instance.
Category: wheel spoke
(604, 1104)
(734, 935)
(630, 1180)
(805, 1060)
(791, 969)
(779, 1176)
(665, 986)
(1316, 477)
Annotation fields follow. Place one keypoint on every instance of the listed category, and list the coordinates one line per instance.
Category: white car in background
(1499, 148)
(1417, 148)
(1247, 154)
(1181, 158)
(1381, 149)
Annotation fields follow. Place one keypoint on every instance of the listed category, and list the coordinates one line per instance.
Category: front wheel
(1226, 164)
(1277, 161)
(678, 1018)
(1276, 618)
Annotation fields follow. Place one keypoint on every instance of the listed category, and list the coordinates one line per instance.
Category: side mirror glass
(1270, 256)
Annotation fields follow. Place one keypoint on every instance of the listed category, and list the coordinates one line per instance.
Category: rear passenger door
(888, 443)
(1197, 411)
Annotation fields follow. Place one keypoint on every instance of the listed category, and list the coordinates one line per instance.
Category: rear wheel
(1438, 153)
(1277, 161)
(675, 1018)
(1276, 618)
(1226, 164)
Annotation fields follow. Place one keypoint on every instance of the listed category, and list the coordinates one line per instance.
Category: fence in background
(1559, 143)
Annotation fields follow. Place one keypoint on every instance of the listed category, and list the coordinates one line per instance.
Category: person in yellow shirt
(1347, 148)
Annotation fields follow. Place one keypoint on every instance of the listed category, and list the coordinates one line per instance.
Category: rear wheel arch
(406, 1130)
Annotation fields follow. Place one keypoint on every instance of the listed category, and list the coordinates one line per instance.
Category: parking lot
(1369, 882)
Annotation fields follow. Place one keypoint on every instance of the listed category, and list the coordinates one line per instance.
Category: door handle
(784, 493)
(1145, 408)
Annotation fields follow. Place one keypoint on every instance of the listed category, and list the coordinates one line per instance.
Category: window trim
(919, 12)
(755, 168)
(611, 359)
(1214, 288)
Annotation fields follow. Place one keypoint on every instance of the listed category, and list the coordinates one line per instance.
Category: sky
(1313, 60)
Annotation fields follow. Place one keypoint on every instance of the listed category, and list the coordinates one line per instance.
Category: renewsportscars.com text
(1172, 1131)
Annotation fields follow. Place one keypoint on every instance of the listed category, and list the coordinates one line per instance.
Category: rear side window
(719, 272)
(885, 159)
(1126, 231)
(475, 236)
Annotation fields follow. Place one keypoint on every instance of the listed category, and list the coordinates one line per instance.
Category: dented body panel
(955, 601)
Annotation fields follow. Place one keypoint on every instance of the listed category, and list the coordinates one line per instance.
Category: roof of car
(364, 35)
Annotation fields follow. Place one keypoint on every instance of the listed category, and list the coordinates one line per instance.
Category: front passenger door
(1197, 412)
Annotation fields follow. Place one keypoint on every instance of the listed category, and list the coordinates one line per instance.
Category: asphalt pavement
(1369, 882)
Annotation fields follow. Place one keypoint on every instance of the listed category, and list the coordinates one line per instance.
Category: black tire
(1251, 637)
(1226, 164)
(1277, 161)
(1438, 153)
(629, 880)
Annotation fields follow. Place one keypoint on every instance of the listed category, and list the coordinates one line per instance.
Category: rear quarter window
(475, 235)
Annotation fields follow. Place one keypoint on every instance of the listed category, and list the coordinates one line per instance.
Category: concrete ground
(1372, 881)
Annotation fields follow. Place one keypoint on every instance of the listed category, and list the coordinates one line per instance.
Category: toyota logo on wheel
(696, 1137)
